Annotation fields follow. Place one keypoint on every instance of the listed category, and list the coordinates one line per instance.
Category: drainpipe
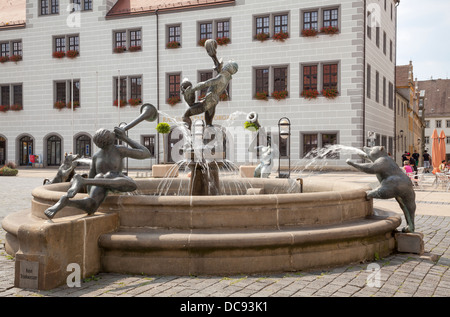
(364, 76)
(157, 77)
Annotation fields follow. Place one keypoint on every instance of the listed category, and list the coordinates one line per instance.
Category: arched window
(26, 146)
(83, 146)
(54, 151)
(2, 151)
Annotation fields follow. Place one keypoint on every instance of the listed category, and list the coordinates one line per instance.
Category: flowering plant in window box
(281, 36)
(72, 53)
(262, 37)
(173, 100)
(135, 48)
(4, 108)
(4, 59)
(310, 93)
(329, 30)
(309, 32)
(223, 40)
(76, 104)
(59, 54)
(280, 95)
(123, 103)
(261, 95)
(16, 107)
(120, 49)
(134, 101)
(173, 44)
(60, 105)
(330, 93)
(202, 42)
(15, 58)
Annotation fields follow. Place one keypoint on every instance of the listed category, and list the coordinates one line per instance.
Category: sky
(423, 37)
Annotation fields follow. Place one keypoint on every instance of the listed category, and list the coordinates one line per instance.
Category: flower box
(329, 30)
(4, 59)
(60, 105)
(280, 95)
(72, 53)
(310, 93)
(281, 36)
(15, 58)
(223, 40)
(123, 103)
(173, 44)
(59, 54)
(173, 100)
(330, 93)
(135, 48)
(4, 108)
(261, 95)
(202, 42)
(76, 104)
(16, 107)
(120, 49)
(134, 101)
(262, 37)
(309, 32)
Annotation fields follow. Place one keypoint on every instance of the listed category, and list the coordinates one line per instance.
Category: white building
(358, 61)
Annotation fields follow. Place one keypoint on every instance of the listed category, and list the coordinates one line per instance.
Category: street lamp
(284, 131)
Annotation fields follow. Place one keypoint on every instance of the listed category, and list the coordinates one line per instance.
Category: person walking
(426, 161)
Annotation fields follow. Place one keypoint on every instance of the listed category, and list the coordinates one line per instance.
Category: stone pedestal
(247, 171)
(410, 242)
(165, 171)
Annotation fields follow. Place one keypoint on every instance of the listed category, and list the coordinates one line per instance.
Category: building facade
(73, 64)
(437, 111)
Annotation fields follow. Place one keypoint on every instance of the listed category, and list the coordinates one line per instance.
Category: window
(26, 145)
(448, 140)
(327, 140)
(11, 95)
(384, 91)
(377, 86)
(330, 18)
(122, 86)
(48, 7)
(391, 96)
(377, 36)
(280, 79)
(262, 80)
(60, 44)
(438, 123)
(82, 5)
(130, 40)
(54, 151)
(174, 34)
(4, 49)
(83, 145)
(310, 77)
(263, 25)
(281, 23)
(136, 88)
(17, 95)
(206, 31)
(174, 85)
(129, 89)
(448, 123)
(330, 76)
(44, 7)
(54, 6)
(204, 76)
(135, 38)
(369, 27)
(390, 50)
(427, 140)
(74, 43)
(11, 48)
(310, 20)
(149, 141)
(120, 39)
(384, 42)
(369, 84)
(311, 142)
(427, 123)
(17, 48)
(223, 29)
(310, 145)
(63, 94)
(5, 96)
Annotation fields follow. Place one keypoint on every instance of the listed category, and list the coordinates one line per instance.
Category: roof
(437, 97)
(133, 7)
(403, 76)
(12, 13)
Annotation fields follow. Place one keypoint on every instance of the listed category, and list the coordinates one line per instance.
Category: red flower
(279, 95)
(16, 107)
(120, 49)
(202, 42)
(173, 44)
(4, 108)
(76, 104)
(135, 101)
(330, 93)
(281, 36)
(135, 48)
(262, 37)
(72, 53)
(261, 95)
(310, 93)
(4, 59)
(329, 30)
(309, 32)
(15, 58)
(59, 54)
(173, 100)
(123, 103)
(223, 40)
(60, 105)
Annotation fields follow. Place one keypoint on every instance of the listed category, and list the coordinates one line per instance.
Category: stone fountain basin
(328, 224)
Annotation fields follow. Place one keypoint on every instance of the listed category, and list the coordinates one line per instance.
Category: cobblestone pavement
(398, 275)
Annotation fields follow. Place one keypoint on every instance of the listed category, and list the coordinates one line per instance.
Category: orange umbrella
(442, 150)
(435, 155)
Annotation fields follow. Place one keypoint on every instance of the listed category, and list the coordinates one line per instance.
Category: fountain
(217, 228)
